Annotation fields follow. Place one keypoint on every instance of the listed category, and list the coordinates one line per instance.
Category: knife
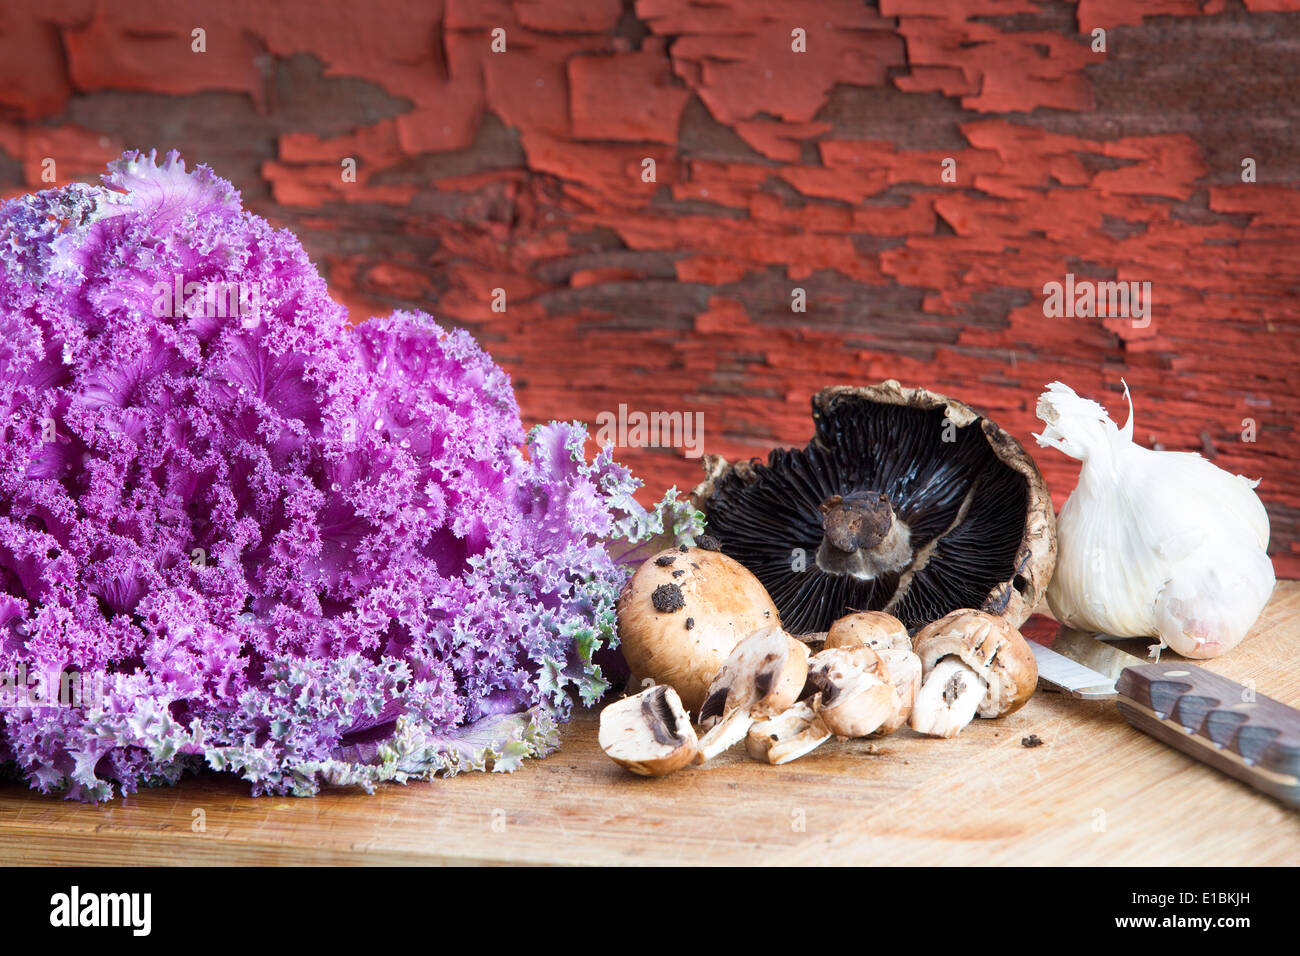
(1217, 721)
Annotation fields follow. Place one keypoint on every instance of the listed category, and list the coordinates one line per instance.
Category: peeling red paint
(774, 170)
(999, 72)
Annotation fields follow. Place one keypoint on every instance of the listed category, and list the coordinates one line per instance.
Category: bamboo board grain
(1095, 792)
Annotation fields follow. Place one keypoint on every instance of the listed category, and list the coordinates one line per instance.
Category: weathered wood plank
(776, 170)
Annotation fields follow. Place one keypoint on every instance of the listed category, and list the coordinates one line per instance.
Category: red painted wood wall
(775, 170)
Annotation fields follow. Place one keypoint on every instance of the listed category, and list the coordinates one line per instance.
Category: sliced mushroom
(765, 674)
(649, 733)
(854, 694)
(949, 697)
(850, 697)
(903, 501)
(787, 736)
(683, 612)
(973, 663)
(872, 628)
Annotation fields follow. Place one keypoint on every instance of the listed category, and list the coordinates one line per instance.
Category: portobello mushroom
(904, 501)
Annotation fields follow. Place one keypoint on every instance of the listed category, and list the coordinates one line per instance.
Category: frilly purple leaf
(280, 545)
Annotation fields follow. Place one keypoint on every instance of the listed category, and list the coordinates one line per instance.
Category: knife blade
(1085, 666)
(1206, 716)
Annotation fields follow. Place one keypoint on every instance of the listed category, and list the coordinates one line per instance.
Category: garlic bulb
(1153, 543)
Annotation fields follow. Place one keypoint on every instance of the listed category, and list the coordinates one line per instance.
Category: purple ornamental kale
(285, 546)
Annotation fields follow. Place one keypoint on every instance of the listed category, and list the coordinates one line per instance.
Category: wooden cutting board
(1095, 792)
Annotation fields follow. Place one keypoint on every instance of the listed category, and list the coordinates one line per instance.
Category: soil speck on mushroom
(667, 598)
(1033, 740)
(664, 560)
(952, 690)
(724, 603)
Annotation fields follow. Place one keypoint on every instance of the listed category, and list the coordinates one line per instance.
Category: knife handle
(1218, 722)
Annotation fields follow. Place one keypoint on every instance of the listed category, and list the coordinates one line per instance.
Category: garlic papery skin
(1153, 543)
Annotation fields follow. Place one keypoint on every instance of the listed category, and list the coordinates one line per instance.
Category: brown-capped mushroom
(888, 637)
(854, 694)
(850, 697)
(904, 669)
(649, 733)
(973, 663)
(795, 731)
(683, 612)
(764, 674)
(872, 628)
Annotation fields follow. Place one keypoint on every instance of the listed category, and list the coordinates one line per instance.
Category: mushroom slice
(787, 736)
(973, 663)
(649, 733)
(682, 613)
(904, 501)
(854, 694)
(948, 699)
(764, 675)
(873, 628)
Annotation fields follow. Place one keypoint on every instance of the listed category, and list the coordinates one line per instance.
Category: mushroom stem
(862, 538)
(723, 735)
(948, 699)
(788, 735)
(857, 521)
(764, 675)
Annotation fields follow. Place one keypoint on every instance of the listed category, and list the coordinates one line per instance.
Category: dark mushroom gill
(775, 518)
(660, 718)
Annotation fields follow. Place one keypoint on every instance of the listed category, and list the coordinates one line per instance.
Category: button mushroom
(887, 635)
(649, 733)
(764, 674)
(872, 628)
(904, 501)
(854, 694)
(973, 663)
(787, 736)
(856, 691)
(904, 669)
(682, 613)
